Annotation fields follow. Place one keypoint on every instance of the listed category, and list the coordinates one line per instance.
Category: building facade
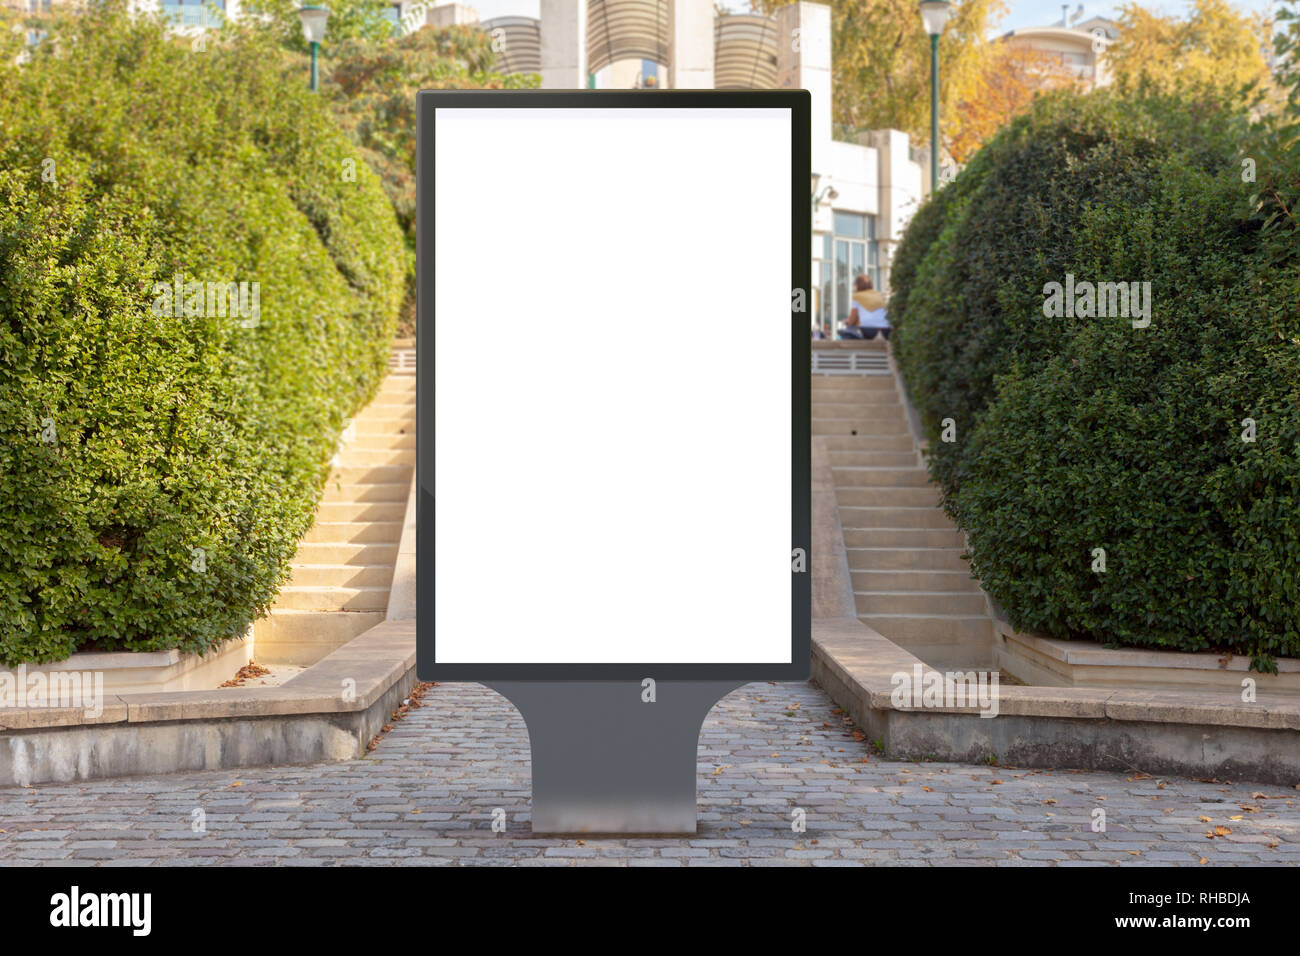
(1077, 45)
(863, 192)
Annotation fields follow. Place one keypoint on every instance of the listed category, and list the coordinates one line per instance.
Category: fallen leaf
(1204, 819)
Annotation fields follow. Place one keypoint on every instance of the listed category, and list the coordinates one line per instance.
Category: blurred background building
(862, 192)
(1077, 44)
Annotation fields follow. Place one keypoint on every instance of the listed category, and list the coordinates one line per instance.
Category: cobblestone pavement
(425, 796)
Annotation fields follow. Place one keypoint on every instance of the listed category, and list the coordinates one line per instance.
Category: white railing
(402, 362)
(849, 362)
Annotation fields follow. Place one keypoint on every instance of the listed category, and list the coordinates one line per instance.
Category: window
(393, 13)
(851, 252)
(824, 282)
(194, 13)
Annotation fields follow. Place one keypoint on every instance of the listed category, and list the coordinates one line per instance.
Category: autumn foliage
(1006, 86)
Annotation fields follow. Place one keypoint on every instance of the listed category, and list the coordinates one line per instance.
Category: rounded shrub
(976, 297)
(161, 454)
(1131, 483)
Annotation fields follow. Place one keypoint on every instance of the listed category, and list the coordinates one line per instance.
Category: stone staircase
(344, 565)
(909, 580)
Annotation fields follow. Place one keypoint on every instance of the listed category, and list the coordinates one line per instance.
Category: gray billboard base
(606, 760)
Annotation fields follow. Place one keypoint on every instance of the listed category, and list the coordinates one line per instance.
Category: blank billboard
(613, 385)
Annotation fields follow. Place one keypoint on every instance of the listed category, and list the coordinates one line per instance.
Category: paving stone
(425, 797)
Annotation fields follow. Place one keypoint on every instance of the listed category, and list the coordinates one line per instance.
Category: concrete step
(946, 581)
(361, 511)
(853, 383)
(918, 631)
(892, 516)
(370, 429)
(921, 602)
(304, 637)
(369, 424)
(355, 532)
(873, 404)
(339, 492)
(371, 474)
(889, 496)
(903, 538)
(310, 552)
(342, 576)
(905, 559)
(859, 426)
(876, 459)
(867, 443)
(402, 440)
(352, 456)
(315, 598)
(873, 476)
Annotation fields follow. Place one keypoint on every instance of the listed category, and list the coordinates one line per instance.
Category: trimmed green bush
(157, 468)
(1080, 438)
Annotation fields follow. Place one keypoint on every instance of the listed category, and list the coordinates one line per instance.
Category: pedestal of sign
(606, 760)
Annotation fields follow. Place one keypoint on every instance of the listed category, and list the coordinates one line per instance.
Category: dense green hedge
(157, 470)
(1082, 433)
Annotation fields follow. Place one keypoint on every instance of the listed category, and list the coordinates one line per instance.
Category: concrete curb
(1189, 733)
(329, 712)
(401, 594)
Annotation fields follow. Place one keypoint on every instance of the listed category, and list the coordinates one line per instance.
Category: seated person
(868, 313)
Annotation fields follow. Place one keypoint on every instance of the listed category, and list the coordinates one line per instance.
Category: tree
(1273, 162)
(1006, 86)
(880, 61)
(1216, 53)
(372, 89)
(348, 20)
(373, 85)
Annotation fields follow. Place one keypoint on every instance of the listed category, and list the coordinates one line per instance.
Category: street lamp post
(827, 192)
(934, 14)
(313, 29)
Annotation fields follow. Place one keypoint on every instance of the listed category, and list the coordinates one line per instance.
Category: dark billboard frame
(798, 103)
